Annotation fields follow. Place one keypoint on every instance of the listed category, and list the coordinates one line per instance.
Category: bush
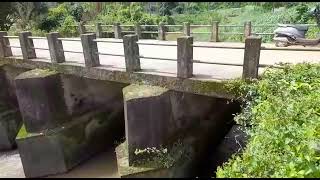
(283, 118)
(69, 27)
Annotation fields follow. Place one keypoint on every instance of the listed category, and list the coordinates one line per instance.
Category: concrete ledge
(215, 88)
(58, 150)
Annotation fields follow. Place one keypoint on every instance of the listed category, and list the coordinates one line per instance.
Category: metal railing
(184, 60)
(215, 29)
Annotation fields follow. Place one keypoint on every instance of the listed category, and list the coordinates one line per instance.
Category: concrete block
(40, 98)
(147, 116)
(60, 149)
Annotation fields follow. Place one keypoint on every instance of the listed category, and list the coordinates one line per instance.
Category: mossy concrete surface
(36, 73)
(214, 87)
(136, 91)
(58, 150)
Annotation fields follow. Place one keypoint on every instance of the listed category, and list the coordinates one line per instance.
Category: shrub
(283, 118)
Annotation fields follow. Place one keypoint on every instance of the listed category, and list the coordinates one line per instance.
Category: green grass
(282, 114)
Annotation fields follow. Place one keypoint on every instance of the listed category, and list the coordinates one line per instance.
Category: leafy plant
(283, 118)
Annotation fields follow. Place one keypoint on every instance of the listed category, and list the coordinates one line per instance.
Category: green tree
(5, 15)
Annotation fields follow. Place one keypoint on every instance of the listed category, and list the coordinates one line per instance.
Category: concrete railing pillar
(27, 47)
(215, 31)
(185, 56)
(161, 32)
(138, 30)
(251, 57)
(247, 29)
(99, 30)
(82, 28)
(131, 53)
(117, 31)
(55, 48)
(90, 50)
(5, 51)
(186, 29)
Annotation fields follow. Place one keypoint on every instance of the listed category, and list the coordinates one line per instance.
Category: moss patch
(135, 91)
(36, 73)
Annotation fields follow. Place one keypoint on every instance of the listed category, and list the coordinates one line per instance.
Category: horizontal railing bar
(11, 37)
(39, 48)
(225, 47)
(200, 25)
(200, 32)
(106, 25)
(127, 31)
(107, 41)
(216, 63)
(13, 46)
(146, 25)
(73, 51)
(121, 55)
(35, 37)
(234, 33)
(127, 25)
(290, 49)
(158, 58)
(225, 25)
(149, 32)
(156, 44)
(264, 33)
(272, 66)
(177, 32)
(68, 39)
(173, 25)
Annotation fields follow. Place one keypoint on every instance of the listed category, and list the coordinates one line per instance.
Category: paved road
(169, 68)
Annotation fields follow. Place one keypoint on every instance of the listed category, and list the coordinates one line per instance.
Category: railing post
(251, 57)
(27, 45)
(186, 28)
(55, 48)
(215, 31)
(138, 30)
(247, 29)
(90, 50)
(82, 28)
(131, 53)
(185, 56)
(117, 30)
(161, 32)
(99, 30)
(5, 51)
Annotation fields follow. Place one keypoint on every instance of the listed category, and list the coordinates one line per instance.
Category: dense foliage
(282, 114)
(65, 16)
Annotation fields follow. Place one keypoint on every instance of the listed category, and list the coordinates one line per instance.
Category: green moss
(135, 91)
(36, 73)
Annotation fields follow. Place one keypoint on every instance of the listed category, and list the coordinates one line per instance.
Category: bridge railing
(215, 30)
(132, 55)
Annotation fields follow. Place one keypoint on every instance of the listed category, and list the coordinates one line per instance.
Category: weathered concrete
(137, 30)
(27, 45)
(40, 108)
(99, 30)
(90, 50)
(186, 29)
(161, 32)
(215, 31)
(147, 117)
(4, 42)
(168, 116)
(55, 48)
(247, 29)
(60, 149)
(117, 31)
(185, 56)
(251, 57)
(131, 53)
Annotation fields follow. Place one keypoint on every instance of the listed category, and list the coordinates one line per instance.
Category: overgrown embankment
(282, 115)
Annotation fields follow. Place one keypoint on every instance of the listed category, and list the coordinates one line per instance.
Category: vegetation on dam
(282, 117)
(63, 17)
